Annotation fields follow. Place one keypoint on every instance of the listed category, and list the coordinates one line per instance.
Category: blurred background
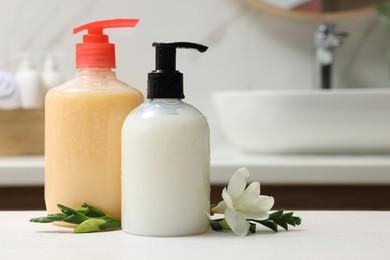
(250, 48)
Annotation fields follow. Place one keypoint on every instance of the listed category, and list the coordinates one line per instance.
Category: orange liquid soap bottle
(83, 121)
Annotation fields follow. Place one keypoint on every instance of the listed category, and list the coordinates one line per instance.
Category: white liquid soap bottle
(166, 157)
(50, 75)
(30, 87)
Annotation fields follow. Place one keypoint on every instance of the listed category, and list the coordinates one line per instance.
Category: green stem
(88, 218)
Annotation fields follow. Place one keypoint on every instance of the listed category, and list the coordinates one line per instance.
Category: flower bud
(90, 225)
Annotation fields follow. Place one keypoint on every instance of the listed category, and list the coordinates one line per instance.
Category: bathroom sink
(339, 121)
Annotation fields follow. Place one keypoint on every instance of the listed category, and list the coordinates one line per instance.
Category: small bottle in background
(28, 78)
(50, 74)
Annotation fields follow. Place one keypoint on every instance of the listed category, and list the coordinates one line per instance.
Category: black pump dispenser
(165, 81)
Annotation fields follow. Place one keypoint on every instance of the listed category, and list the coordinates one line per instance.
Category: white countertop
(322, 235)
(269, 169)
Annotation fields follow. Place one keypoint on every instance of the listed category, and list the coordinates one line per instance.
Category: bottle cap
(165, 81)
(95, 51)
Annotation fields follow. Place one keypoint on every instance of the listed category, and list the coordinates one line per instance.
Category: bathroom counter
(301, 169)
(271, 169)
(322, 235)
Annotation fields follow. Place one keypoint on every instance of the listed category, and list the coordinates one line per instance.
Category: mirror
(316, 10)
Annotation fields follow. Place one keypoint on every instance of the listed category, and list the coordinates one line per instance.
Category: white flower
(240, 204)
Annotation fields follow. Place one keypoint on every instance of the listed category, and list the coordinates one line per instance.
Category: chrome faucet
(325, 41)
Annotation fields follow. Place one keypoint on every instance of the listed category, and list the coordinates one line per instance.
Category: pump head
(165, 81)
(95, 51)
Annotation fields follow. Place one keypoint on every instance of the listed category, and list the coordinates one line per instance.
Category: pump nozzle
(165, 81)
(96, 51)
(98, 26)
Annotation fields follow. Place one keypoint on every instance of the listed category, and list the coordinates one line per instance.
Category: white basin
(342, 121)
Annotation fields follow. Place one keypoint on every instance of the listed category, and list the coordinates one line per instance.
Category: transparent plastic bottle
(83, 121)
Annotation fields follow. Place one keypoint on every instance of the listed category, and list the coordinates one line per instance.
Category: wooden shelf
(22, 132)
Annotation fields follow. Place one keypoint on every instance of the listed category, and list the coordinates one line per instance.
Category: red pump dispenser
(95, 51)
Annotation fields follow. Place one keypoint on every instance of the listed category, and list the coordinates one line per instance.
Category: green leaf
(215, 225)
(41, 220)
(66, 210)
(75, 219)
(82, 210)
(56, 216)
(282, 223)
(291, 222)
(269, 224)
(90, 225)
(297, 220)
(279, 219)
(92, 211)
(110, 224)
(287, 216)
(276, 215)
(252, 228)
(88, 218)
(49, 218)
(224, 225)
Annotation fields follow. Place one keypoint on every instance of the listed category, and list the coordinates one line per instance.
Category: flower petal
(260, 215)
(220, 208)
(250, 194)
(237, 183)
(227, 199)
(265, 202)
(238, 224)
(259, 209)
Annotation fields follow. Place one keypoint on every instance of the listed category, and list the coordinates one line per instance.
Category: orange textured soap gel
(83, 121)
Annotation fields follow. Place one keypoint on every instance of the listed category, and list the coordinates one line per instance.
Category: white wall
(248, 48)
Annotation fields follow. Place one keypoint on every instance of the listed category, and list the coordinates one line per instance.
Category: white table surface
(322, 235)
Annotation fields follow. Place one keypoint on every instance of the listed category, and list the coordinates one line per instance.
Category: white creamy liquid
(165, 175)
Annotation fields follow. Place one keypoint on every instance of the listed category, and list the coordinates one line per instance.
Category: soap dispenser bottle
(30, 87)
(83, 121)
(50, 75)
(166, 156)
